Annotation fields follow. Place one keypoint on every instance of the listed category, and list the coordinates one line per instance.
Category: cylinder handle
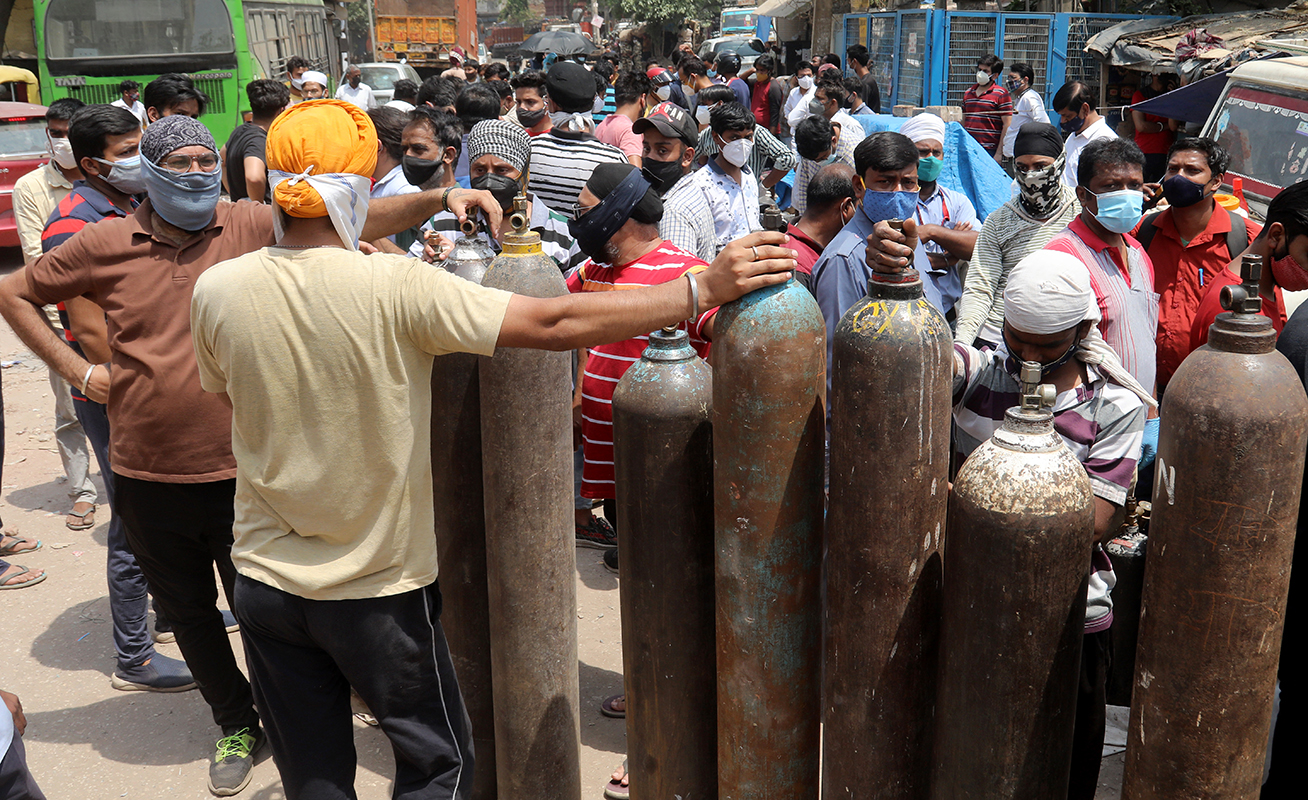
(1244, 299)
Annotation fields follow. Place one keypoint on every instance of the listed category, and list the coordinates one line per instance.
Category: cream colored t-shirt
(327, 357)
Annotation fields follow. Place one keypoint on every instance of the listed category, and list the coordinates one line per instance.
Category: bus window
(99, 29)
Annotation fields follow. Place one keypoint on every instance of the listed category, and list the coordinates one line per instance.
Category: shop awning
(782, 8)
(1190, 103)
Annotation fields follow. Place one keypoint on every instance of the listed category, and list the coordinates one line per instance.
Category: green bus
(85, 48)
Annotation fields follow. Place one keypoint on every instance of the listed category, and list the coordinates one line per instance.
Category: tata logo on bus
(72, 80)
(211, 75)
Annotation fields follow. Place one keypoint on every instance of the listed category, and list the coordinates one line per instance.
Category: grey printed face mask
(1041, 189)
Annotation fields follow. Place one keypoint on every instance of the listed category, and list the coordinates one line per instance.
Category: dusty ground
(87, 741)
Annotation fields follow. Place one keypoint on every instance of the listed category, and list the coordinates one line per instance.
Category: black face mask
(503, 188)
(1047, 368)
(531, 119)
(418, 171)
(666, 173)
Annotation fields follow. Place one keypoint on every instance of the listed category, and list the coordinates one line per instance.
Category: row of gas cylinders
(901, 640)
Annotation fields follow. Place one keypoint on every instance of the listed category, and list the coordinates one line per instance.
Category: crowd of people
(186, 342)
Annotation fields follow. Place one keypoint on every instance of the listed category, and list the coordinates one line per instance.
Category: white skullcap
(924, 126)
(1049, 292)
(309, 76)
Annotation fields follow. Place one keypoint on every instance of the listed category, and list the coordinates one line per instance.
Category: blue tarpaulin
(968, 167)
(1190, 103)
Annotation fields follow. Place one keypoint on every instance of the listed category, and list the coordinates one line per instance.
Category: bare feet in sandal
(82, 517)
(11, 544)
(13, 576)
(619, 786)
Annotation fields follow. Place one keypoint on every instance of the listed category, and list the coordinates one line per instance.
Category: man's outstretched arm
(22, 310)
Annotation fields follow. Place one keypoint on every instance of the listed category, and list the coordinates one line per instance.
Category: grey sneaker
(233, 762)
(158, 674)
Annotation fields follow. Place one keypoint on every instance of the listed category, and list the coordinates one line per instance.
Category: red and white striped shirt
(606, 364)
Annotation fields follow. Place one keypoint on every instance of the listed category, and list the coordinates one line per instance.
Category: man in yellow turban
(172, 442)
(325, 355)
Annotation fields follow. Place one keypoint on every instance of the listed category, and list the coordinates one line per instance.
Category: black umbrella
(563, 43)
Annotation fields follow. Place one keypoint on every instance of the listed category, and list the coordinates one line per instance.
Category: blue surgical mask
(1119, 211)
(928, 169)
(1072, 125)
(712, 73)
(184, 199)
(888, 205)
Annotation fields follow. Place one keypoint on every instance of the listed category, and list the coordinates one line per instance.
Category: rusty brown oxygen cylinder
(461, 523)
(1021, 523)
(1225, 507)
(891, 378)
(663, 461)
(769, 387)
(526, 437)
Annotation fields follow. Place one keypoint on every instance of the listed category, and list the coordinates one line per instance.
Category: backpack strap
(1237, 239)
(1147, 230)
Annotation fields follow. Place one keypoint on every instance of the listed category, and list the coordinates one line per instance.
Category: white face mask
(663, 92)
(982, 77)
(62, 151)
(737, 153)
(597, 106)
(297, 83)
(806, 82)
(703, 114)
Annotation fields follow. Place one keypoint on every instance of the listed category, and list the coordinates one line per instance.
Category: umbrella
(563, 43)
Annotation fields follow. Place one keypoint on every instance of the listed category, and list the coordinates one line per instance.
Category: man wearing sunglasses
(171, 441)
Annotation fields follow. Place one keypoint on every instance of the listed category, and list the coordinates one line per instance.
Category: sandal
(607, 707)
(4, 579)
(13, 549)
(86, 519)
(615, 790)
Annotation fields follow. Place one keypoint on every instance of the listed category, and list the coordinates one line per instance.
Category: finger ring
(754, 250)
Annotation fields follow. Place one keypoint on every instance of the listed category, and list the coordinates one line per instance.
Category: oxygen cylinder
(663, 461)
(1021, 523)
(769, 387)
(1225, 507)
(889, 499)
(461, 522)
(526, 435)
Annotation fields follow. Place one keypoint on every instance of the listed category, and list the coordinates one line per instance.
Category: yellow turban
(324, 136)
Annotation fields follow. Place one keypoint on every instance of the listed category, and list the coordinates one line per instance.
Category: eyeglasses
(578, 210)
(180, 163)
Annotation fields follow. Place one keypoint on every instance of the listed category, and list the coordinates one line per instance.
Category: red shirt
(1182, 275)
(607, 363)
(760, 105)
(1211, 306)
(983, 114)
(807, 251)
(1153, 143)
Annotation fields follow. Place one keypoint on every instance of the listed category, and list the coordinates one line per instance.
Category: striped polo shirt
(561, 163)
(1127, 301)
(1100, 422)
(607, 363)
(984, 112)
(687, 221)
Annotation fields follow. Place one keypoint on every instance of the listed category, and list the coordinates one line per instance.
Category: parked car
(748, 48)
(22, 149)
(382, 75)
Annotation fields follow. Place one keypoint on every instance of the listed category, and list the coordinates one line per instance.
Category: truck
(505, 38)
(422, 32)
(738, 21)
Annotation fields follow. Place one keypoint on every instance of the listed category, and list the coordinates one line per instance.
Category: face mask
(62, 151)
(298, 83)
(1041, 189)
(712, 73)
(502, 187)
(1047, 368)
(983, 78)
(183, 199)
(597, 106)
(597, 226)
(354, 83)
(666, 173)
(928, 169)
(1120, 211)
(420, 171)
(888, 205)
(1288, 274)
(806, 82)
(737, 152)
(1072, 125)
(662, 93)
(1014, 88)
(1182, 192)
(816, 108)
(531, 119)
(703, 114)
(125, 175)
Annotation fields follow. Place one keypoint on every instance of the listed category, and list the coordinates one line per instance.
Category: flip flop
(83, 525)
(614, 790)
(12, 548)
(24, 584)
(607, 709)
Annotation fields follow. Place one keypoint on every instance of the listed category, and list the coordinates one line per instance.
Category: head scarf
(923, 127)
(173, 133)
(1049, 292)
(1038, 139)
(645, 207)
(1042, 192)
(321, 155)
(502, 139)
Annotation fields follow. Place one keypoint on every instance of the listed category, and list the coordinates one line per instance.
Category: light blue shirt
(949, 208)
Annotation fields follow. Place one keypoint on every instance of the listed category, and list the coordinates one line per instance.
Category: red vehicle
(22, 149)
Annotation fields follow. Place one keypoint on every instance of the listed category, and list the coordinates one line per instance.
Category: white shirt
(734, 206)
(796, 107)
(402, 105)
(1077, 142)
(137, 108)
(361, 97)
(1026, 108)
(849, 126)
(393, 184)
